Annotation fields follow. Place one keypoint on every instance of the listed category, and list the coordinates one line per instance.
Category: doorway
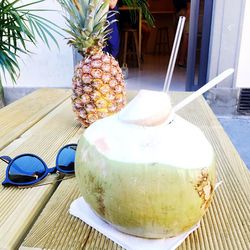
(154, 67)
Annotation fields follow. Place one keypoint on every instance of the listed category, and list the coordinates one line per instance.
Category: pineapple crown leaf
(86, 22)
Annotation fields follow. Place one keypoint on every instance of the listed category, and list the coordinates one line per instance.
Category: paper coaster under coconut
(81, 210)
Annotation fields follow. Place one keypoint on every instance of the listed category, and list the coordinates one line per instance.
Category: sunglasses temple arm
(6, 159)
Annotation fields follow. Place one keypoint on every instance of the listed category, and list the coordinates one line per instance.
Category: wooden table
(38, 218)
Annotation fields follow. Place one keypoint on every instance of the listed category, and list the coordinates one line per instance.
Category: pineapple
(98, 83)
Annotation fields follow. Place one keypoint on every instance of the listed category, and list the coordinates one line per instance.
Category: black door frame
(191, 85)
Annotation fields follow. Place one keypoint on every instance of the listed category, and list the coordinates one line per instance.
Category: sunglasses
(28, 169)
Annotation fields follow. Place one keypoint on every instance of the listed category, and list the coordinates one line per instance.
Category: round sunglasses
(28, 169)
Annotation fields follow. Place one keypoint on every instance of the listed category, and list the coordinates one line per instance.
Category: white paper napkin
(81, 209)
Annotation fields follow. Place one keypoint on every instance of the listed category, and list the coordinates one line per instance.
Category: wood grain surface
(19, 116)
(38, 218)
(50, 127)
(225, 225)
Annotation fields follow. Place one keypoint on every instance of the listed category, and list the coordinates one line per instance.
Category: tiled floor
(238, 129)
(152, 74)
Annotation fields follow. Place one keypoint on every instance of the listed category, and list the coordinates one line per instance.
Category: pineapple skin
(98, 87)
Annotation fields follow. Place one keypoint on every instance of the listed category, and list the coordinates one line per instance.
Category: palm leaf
(19, 26)
(143, 4)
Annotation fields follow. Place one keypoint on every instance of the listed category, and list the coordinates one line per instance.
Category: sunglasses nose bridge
(52, 170)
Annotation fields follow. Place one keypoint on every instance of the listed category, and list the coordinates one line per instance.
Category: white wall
(225, 39)
(230, 42)
(47, 67)
(243, 71)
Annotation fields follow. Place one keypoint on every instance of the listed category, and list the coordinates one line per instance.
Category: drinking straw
(174, 53)
(203, 89)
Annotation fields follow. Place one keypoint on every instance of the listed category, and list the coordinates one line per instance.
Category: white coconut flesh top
(124, 137)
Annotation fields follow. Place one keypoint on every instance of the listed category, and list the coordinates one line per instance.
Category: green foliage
(143, 4)
(20, 25)
(87, 22)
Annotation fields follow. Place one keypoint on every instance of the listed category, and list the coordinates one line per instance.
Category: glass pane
(66, 159)
(26, 169)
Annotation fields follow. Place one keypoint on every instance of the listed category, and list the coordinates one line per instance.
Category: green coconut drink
(144, 172)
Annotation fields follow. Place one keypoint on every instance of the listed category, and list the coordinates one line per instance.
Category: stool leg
(161, 47)
(164, 41)
(168, 43)
(157, 47)
(156, 41)
(125, 47)
(137, 49)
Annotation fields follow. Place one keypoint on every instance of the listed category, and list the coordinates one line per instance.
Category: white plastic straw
(203, 89)
(174, 53)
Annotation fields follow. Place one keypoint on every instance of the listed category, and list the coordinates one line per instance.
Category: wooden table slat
(20, 207)
(19, 116)
(225, 225)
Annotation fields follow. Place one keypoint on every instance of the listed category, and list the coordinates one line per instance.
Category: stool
(135, 50)
(162, 40)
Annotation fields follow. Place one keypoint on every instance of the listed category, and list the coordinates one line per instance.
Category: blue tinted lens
(66, 159)
(26, 169)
